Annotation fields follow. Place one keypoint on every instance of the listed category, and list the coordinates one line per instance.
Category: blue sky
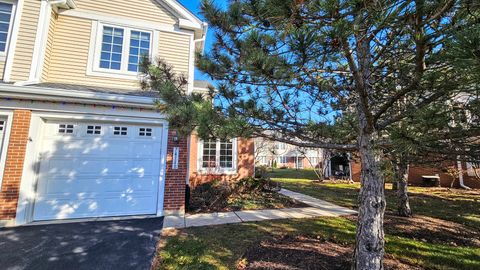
(194, 6)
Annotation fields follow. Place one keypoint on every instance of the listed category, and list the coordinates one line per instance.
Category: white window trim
(93, 68)
(282, 160)
(6, 140)
(217, 169)
(470, 169)
(3, 55)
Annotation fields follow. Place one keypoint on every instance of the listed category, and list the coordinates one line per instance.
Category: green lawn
(293, 174)
(222, 247)
(458, 206)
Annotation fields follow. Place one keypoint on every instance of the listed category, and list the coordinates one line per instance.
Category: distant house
(282, 155)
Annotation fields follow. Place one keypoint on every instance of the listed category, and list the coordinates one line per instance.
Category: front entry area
(97, 169)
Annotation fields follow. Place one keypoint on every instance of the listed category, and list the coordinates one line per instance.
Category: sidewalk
(319, 208)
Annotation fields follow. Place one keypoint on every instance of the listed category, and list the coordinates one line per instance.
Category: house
(340, 165)
(283, 155)
(78, 137)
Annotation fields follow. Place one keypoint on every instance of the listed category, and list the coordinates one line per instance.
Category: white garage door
(97, 170)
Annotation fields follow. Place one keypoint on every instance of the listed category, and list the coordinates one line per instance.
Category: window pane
(112, 46)
(5, 16)
(226, 154)
(139, 48)
(209, 154)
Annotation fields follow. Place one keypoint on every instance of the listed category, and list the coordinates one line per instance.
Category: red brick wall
(356, 171)
(175, 180)
(416, 172)
(14, 164)
(246, 163)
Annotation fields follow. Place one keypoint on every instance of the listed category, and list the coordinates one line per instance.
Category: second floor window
(6, 11)
(122, 49)
(281, 146)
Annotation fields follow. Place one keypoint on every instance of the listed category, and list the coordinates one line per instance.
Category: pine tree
(328, 74)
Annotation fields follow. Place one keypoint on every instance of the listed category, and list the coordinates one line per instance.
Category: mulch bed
(303, 252)
(430, 230)
(234, 202)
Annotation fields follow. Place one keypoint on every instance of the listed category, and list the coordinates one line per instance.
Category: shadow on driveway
(125, 244)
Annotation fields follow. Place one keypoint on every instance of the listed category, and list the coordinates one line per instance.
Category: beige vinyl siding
(49, 47)
(22, 60)
(69, 60)
(175, 50)
(148, 10)
(71, 44)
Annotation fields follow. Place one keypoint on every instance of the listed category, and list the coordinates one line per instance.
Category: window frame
(282, 160)
(217, 169)
(3, 54)
(94, 68)
(8, 116)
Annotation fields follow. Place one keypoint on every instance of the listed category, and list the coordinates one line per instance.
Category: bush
(213, 196)
(261, 172)
(262, 184)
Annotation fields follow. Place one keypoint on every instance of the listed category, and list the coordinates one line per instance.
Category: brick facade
(245, 163)
(415, 176)
(175, 180)
(14, 164)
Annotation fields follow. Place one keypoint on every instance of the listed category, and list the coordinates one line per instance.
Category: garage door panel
(93, 184)
(85, 175)
(63, 209)
(61, 168)
(73, 148)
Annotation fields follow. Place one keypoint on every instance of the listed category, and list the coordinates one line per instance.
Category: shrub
(261, 172)
(213, 196)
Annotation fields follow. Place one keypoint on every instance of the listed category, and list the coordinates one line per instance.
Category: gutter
(74, 96)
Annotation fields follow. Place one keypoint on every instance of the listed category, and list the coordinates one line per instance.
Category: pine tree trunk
(401, 173)
(369, 248)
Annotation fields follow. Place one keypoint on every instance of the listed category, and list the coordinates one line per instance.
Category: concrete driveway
(125, 244)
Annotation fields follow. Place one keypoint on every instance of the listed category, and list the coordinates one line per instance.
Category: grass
(222, 247)
(452, 205)
(294, 174)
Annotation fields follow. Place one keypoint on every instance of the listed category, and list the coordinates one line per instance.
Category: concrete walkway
(319, 208)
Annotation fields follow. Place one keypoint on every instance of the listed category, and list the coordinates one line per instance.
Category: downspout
(460, 174)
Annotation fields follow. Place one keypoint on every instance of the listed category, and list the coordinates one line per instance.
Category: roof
(202, 84)
(76, 94)
(141, 93)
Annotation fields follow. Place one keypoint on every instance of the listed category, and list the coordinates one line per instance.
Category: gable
(149, 10)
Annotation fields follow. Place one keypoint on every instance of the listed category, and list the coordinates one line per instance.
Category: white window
(66, 128)
(314, 161)
(7, 10)
(218, 155)
(281, 146)
(262, 160)
(120, 131)
(282, 160)
(94, 130)
(119, 50)
(145, 132)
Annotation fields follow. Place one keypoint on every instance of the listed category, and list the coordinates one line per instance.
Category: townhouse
(78, 137)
